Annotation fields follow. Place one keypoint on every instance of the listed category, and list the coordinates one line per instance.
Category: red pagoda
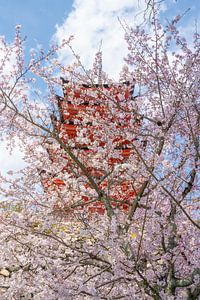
(84, 111)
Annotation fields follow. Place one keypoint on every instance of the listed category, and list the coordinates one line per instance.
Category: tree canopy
(143, 243)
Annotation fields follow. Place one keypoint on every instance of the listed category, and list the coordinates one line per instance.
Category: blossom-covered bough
(51, 245)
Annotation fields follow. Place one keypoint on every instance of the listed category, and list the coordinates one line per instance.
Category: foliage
(49, 250)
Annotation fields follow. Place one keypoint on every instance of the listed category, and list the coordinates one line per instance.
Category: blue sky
(91, 21)
(37, 17)
(42, 20)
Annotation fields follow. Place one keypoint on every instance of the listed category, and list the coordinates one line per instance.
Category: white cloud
(93, 21)
(7, 58)
(9, 161)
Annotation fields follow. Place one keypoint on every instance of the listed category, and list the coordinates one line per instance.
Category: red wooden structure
(83, 112)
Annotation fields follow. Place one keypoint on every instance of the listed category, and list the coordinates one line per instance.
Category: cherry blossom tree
(145, 242)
